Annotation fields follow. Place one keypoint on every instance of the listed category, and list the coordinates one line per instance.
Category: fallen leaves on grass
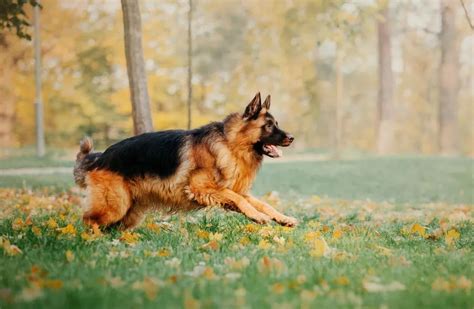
(418, 229)
(451, 237)
(130, 238)
(374, 285)
(268, 264)
(149, 285)
(68, 230)
(451, 284)
(237, 264)
(211, 245)
(320, 248)
(8, 248)
(69, 256)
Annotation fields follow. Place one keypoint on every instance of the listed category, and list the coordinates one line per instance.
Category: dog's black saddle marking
(148, 154)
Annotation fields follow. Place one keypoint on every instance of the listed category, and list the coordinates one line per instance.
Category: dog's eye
(269, 124)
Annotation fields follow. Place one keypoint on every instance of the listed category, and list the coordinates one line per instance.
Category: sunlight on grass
(344, 253)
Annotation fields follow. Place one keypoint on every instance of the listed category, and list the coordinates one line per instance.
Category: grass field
(373, 233)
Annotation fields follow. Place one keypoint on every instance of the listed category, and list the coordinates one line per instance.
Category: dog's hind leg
(108, 198)
(272, 212)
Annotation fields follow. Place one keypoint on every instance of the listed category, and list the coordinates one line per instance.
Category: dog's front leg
(271, 212)
(227, 196)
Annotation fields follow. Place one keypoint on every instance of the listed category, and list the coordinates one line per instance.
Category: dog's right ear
(253, 109)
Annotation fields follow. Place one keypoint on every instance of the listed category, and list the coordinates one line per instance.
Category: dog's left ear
(254, 107)
(266, 104)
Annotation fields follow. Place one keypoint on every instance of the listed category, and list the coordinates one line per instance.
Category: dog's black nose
(290, 138)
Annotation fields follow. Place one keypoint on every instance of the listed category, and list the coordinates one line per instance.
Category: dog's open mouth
(272, 151)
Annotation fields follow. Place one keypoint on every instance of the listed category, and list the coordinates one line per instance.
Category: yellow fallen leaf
(52, 224)
(373, 286)
(384, 251)
(418, 229)
(251, 228)
(215, 236)
(163, 252)
(336, 234)
(208, 273)
(30, 293)
(451, 236)
(154, 227)
(464, 283)
(18, 224)
(54, 284)
(264, 244)
(342, 280)
(267, 264)
(149, 286)
(211, 245)
(129, 238)
(68, 230)
(69, 256)
(237, 264)
(8, 248)
(244, 241)
(441, 284)
(311, 236)
(202, 234)
(320, 248)
(36, 230)
(278, 288)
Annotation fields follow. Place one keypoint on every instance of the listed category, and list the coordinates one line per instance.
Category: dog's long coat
(182, 170)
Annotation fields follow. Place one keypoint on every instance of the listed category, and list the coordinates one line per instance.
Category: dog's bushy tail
(85, 148)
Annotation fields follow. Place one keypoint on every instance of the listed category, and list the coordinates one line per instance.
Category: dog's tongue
(274, 151)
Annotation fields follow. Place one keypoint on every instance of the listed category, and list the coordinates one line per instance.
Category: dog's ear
(253, 109)
(267, 102)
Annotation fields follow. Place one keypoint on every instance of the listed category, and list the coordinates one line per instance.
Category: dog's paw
(286, 221)
(261, 218)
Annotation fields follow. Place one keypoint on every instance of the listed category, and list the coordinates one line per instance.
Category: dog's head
(263, 128)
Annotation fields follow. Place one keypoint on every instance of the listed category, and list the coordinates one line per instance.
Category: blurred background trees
(365, 76)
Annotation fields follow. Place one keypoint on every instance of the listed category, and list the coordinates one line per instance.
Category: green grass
(377, 244)
(399, 180)
(27, 161)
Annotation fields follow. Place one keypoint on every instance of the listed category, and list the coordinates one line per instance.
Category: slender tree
(385, 130)
(40, 144)
(448, 80)
(190, 61)
(142, 121)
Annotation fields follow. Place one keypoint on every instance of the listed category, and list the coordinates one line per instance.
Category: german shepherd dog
(178, 170)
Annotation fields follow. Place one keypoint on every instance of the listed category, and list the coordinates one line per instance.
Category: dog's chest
(243, 175)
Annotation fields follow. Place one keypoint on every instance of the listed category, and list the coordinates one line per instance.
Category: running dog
(179, 170)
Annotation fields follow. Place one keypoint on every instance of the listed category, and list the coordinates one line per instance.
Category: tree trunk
(142, 121)
(190, 61)
(448, 80)
(386, 125)
(39, 119)
(338, 104)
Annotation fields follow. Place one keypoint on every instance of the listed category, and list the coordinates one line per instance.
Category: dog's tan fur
(216, 171)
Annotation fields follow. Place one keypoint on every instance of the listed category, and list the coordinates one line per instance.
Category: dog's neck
(240, 143)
